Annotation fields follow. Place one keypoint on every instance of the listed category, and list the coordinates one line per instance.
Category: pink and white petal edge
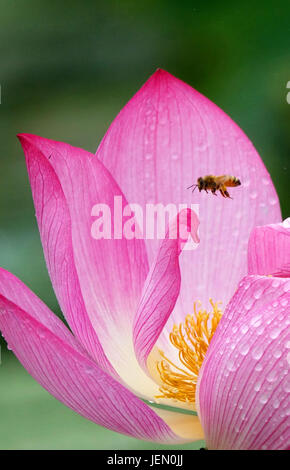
(243, 387)
(269, 250)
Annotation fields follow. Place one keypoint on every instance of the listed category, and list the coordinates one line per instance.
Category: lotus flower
(137, 329)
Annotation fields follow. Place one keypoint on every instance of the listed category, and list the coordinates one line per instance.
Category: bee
(216, 183)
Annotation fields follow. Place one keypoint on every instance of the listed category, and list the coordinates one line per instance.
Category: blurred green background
(66, 69)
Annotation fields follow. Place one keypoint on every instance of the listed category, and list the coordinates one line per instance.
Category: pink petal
(269, 250)
(162, 285)
(55, 230)
(243, 388)
(110, 272)
(161, 142)
(50, 354)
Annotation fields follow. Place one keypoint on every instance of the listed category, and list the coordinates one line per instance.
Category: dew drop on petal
(263, 399)
(244, 329)
(277, 353)
(258, 293)
(286, 386)
(231, 365)
(271, 377)
(244, 349)
(257, 386)
(257, 353)
(275, 333)
(256, 321)
(275, 283)
(276, 403)
(273, 201)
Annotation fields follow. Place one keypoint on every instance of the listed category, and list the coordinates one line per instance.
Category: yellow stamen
(191, 338)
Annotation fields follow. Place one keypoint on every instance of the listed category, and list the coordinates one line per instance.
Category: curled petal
(166, 137)
(269, 250)
(162, 285)
(243, 388)
(50, 354)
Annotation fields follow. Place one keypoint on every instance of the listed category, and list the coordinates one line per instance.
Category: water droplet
(263, 399)
(174, 156)
(256, 321)
(277, 353)
(272, 376)
(284, 302)
(265, 181)
(275, 333)
(257, 353)
(258, 293)
(253, 195)
(275, 283)
(257, 386)
(273, 201)
(148, 156)
(286, 287)
(244, 329)
(276, 403)
(89, 369)
(258, 367)
(231, 365)
(244, 349)
(260, 330)
(286, 386)
(249, 303)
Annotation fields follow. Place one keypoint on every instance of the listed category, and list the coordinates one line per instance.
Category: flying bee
(216, 183)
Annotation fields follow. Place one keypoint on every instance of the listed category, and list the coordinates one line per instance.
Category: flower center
(191, 338)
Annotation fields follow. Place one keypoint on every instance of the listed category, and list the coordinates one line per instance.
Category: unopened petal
(269, 250)
(243, 389)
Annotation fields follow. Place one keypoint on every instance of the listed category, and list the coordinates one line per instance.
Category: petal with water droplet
(255, 380)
